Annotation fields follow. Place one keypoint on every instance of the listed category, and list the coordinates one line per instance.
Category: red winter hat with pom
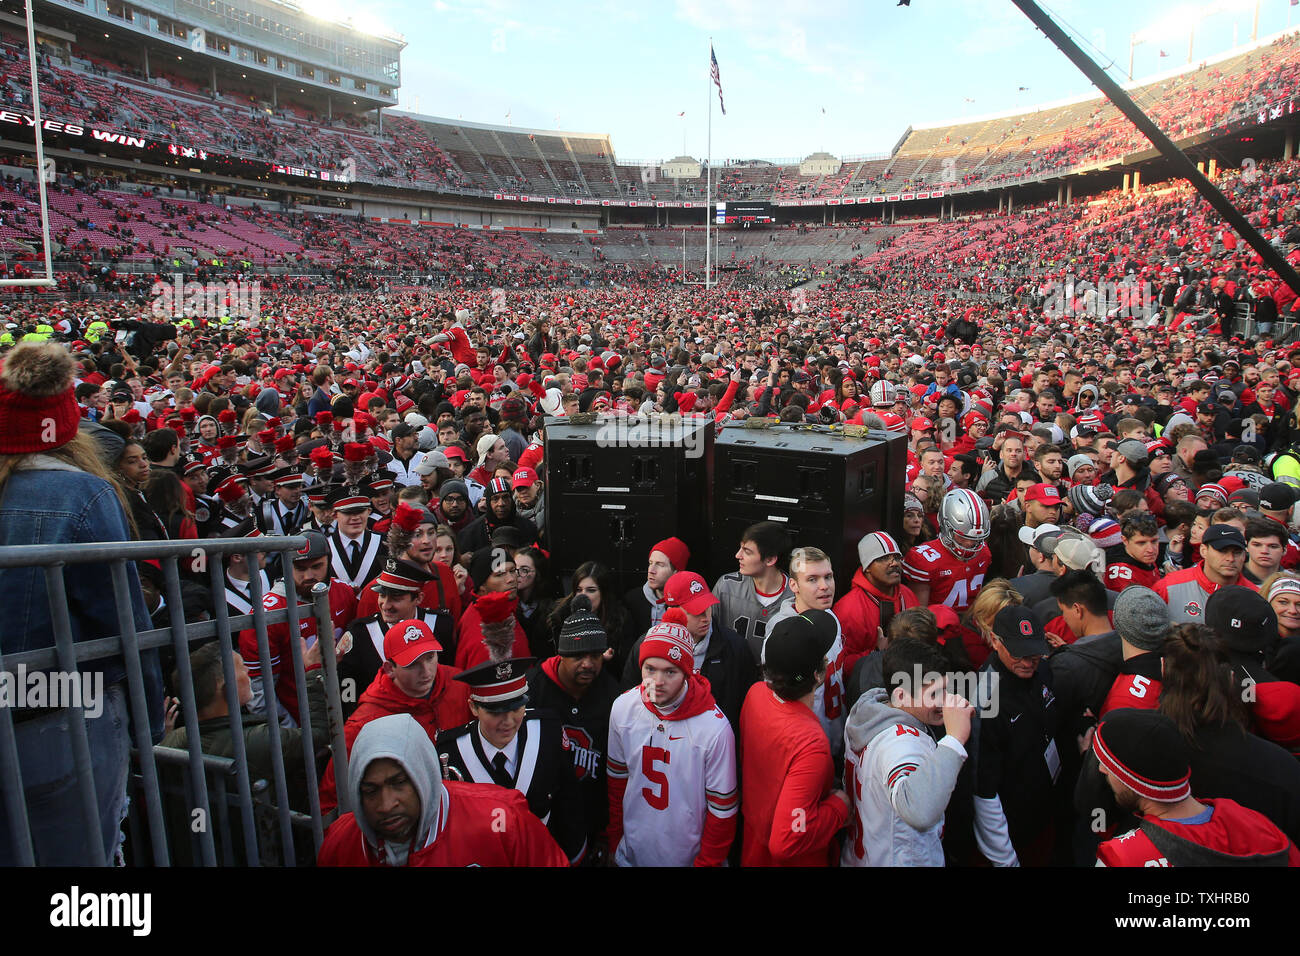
(38, 410)
(670, 640)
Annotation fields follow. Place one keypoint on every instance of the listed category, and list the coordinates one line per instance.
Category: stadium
(568, 452)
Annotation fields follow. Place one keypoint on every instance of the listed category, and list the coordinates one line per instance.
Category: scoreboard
(745, 212)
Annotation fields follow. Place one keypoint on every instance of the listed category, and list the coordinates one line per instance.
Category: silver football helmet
(964, 523)
(884, 394)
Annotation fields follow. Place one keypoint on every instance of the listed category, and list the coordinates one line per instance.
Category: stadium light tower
(46, 280)
(1182, 166)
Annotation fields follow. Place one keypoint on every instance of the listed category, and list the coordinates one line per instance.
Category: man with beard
(500, 514)
(403, 810)
(411, 681)
(1147, 764)
(310, 566)
(875, 596)
(452, 508)
(573, 687)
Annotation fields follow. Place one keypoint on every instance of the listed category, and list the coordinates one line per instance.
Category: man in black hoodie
(500, 514)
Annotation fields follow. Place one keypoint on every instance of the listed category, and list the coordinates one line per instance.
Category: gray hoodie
(905, 781)
(399, 737)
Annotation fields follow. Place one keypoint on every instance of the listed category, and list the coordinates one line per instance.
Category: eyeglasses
(525, 572)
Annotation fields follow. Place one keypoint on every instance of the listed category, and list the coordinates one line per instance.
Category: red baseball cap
(455, 451)
(688, 591)
(524, 477)
(406, 641)
(1047, 494)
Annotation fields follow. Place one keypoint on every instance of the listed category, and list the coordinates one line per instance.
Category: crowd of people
(1089, 609)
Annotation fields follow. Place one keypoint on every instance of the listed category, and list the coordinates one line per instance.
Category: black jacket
(544, 773)
(585, 726)
(728, 666)
(478, 533)
(1082, 676)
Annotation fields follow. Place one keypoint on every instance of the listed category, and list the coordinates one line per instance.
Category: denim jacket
(51, 502)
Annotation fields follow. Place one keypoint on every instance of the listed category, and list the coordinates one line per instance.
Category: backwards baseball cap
(1145, 751)
(688, 591)
(1040, 538)
(1242, 618)
(1277, 496)
(1220, 537)
(1133, 451)
(796, 646)
(406, 641)
(1018, 628)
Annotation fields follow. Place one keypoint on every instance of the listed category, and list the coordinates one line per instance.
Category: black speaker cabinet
(613, 489)
(827, 490)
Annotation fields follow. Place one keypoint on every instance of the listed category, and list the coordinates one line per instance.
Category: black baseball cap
(1246, 623)
(1206, 407)
(797, 646)
(1220, 537)
(1278, 496)
(1019, 629)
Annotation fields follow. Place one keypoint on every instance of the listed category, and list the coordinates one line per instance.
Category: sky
(836, 75)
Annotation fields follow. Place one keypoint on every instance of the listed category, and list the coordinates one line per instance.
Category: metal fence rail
(204, 783)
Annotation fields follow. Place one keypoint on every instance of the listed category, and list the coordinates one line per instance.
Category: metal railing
(69, 657)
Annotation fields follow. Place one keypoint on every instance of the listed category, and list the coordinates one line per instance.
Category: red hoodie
(446, 707)
(859, 614)
(718, 833)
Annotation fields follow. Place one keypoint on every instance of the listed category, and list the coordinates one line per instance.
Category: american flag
(717, 77)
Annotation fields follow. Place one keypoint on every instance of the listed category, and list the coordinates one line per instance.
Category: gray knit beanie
(1141, 618)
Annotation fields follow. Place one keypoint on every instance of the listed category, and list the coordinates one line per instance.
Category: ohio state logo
(696, 587)
(586, 759)
(674, 653)
(503, 671)
(1193, 609)
(412, 634)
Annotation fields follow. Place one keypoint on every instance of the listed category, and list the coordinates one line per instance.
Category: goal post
(46, 280)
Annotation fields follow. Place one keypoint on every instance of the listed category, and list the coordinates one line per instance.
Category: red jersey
(342, 611)
(952, 582)
(479, 824)
(1232, 834)
(1132, 690)
(1123, 573)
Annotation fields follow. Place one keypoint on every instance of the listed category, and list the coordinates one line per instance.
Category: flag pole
(708, 182)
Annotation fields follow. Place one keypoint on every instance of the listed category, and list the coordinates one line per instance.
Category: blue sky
(628, 69)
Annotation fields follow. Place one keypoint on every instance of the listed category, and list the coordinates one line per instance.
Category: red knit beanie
(670, 641)
(675, 550)
(38, 411)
